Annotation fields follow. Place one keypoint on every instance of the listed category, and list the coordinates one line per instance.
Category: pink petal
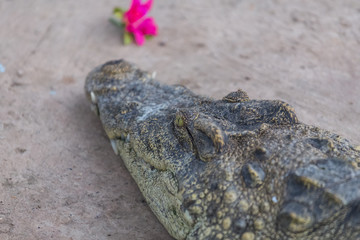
(139, 38)
(137, 10)
(148, 27)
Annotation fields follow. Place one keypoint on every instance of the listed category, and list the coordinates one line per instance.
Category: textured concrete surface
(59, 178)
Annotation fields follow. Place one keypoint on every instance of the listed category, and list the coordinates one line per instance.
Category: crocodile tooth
(127, 138)
(114, 147)
(95, 109)
(93, 97)
(153, 75)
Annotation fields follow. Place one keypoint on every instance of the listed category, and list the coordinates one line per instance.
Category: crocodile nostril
(295, 217)
(116, 66)
(238, 96)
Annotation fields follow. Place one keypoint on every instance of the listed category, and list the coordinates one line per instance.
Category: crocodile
(233, 168)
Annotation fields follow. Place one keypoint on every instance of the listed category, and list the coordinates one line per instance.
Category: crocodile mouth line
(133, 162)
(123, 144)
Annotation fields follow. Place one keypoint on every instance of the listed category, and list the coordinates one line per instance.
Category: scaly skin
(227, 169)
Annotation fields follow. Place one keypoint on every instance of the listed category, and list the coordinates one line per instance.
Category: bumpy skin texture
(227, 169)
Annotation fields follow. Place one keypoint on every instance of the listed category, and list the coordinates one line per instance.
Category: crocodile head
(233, 168)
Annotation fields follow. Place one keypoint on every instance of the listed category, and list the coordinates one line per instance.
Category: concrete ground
(59, 178)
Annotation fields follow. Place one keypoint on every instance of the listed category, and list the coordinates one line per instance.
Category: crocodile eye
(199, 132)
(181, 130)
(179, 121)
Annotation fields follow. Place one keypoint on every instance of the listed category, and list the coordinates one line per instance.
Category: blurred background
(59, 178)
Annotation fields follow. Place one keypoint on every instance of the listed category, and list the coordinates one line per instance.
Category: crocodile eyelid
(212, 130)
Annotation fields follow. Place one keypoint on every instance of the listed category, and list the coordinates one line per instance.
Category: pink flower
(137, 23)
